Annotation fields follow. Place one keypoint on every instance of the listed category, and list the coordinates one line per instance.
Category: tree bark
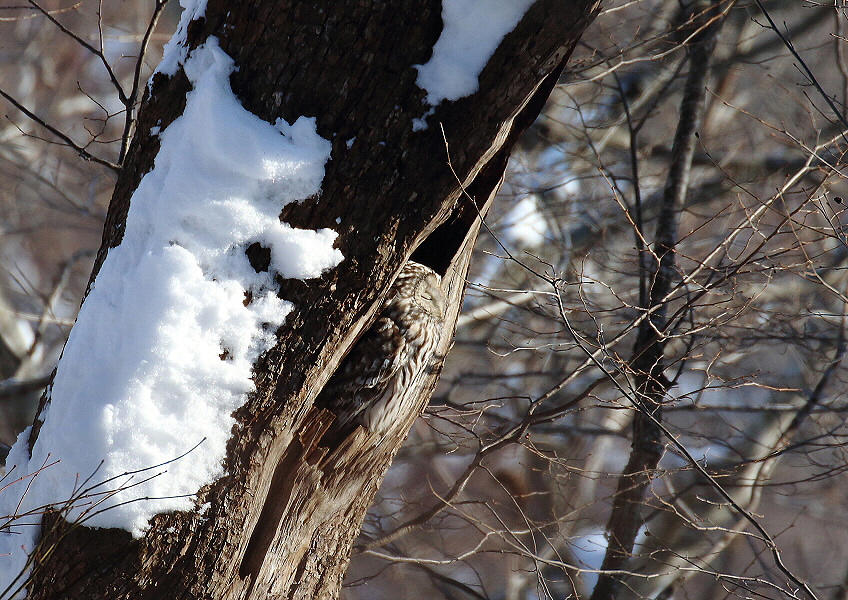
(282, 520)
(650, 384)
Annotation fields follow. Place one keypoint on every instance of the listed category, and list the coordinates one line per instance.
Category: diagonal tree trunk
(281, 521)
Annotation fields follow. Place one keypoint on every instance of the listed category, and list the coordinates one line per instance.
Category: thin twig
(98, 53)
(84, 154)
(803, 65)
(129, 122)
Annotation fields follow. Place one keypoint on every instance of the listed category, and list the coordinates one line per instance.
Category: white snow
(472, 31)
(525, 225)
(174, 52)
(589, 550)
(162, 351)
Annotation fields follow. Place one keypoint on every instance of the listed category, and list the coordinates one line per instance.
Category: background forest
(507, 487)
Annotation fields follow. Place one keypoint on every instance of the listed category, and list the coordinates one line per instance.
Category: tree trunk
(282, 520)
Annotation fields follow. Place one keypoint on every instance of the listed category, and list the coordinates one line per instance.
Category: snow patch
(163, 348)
(174, 52)
(525, 225)
(472, 31)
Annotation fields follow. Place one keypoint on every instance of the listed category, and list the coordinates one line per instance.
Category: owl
(376, 380)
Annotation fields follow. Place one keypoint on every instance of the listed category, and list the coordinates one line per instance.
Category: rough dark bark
(282, 521)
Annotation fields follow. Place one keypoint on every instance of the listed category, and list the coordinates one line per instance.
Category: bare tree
(645, 394)
(617, 304)
(282, 519)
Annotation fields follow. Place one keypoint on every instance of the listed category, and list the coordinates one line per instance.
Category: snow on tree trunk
(373, 133)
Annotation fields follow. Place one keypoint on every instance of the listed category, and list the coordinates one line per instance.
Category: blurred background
(505, 487)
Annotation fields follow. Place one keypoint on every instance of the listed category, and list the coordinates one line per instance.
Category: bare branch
(98, 53)
(84, 154)
(132, 100)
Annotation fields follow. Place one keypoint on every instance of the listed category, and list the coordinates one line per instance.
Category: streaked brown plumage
(373, 383)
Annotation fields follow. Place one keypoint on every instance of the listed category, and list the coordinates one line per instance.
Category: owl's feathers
(376, 380)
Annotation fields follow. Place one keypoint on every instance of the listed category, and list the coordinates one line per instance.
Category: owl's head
(421, 288)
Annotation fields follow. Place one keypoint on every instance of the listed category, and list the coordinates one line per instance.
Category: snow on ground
(472, 31)
(589, 550)
(163, 347)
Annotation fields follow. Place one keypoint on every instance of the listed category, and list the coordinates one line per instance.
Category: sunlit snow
(163, 347)
(174, 52)
(472, 31)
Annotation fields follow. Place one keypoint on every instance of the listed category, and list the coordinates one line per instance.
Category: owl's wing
(367, 370)
(372, 384)
(376, 355)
